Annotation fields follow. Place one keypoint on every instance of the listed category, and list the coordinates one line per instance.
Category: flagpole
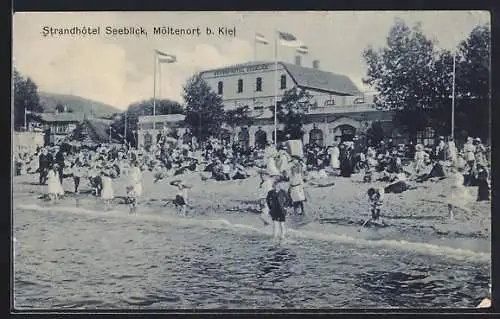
(125, 129)
(159, 81)
(255, 48)
(275, 87)
(25, 122)
(453, 101)
(154, 92)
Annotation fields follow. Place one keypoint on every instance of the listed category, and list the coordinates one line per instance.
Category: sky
(118, 70)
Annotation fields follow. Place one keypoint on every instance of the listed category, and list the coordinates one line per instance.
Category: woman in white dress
(420, 158)
(134, 190)
(54, 185)
(334, 157)
(296, 189)
(459, 196)
(107, 193)
(282, 161)
(271, 166)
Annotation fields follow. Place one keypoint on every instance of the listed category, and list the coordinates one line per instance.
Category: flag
(303, 49)
(27, 111)
(166, 58)
(288, 39)
(259, 38)
(172, 59)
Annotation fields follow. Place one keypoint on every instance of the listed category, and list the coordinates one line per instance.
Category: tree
(473, 72)
(375, 133)
(25, 99)
(238, 116)
(141, 108)
(292, 109)
(404, 74)
(204, 108)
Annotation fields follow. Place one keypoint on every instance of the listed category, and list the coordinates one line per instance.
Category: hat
(419, 147)
(477, 139)
(441, 137)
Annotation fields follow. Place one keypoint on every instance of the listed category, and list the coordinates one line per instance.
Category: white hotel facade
(340, 109)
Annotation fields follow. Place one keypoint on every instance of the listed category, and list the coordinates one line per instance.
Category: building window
(329, 102)
(240, 85)
(426, 137)
(61, 128)
(283, 82)
(220, 88)
(258, 85)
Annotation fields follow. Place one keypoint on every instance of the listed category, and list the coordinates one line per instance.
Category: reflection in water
(125, 262)
(274, 266)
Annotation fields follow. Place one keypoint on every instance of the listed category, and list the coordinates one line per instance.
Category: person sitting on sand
(277, 200)
(420, 160)
(398, 183)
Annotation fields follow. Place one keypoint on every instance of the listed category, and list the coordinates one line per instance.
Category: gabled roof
(309, 78)
(61, 117)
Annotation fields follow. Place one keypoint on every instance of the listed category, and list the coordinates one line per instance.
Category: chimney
(316, 64)
(298, 60)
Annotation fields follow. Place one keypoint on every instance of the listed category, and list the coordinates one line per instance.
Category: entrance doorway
(344, 133)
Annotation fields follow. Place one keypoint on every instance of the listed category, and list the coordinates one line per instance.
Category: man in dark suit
(60, 161)
(44, 163)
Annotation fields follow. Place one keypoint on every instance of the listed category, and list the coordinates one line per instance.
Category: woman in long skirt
(54, 185)
(296, 190)
(459, 196)
(334, 157)
(134, 190)
(107, 193)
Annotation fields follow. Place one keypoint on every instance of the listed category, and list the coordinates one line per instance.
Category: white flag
(303, 49)
(166, 58)
(288, 39)
(261, 39)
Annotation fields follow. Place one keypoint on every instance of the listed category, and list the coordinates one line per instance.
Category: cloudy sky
(118, 70)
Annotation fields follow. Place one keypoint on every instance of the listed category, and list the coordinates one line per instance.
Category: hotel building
(339, 109)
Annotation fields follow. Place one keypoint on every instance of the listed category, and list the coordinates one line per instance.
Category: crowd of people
(285, 171)
(396, 165)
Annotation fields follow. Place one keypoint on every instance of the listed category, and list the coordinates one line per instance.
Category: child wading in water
(181, 197)
(107, 193)
(376, 199)
(265, 186)
(277, 200)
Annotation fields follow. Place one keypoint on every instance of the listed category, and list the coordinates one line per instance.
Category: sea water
(70, 257)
